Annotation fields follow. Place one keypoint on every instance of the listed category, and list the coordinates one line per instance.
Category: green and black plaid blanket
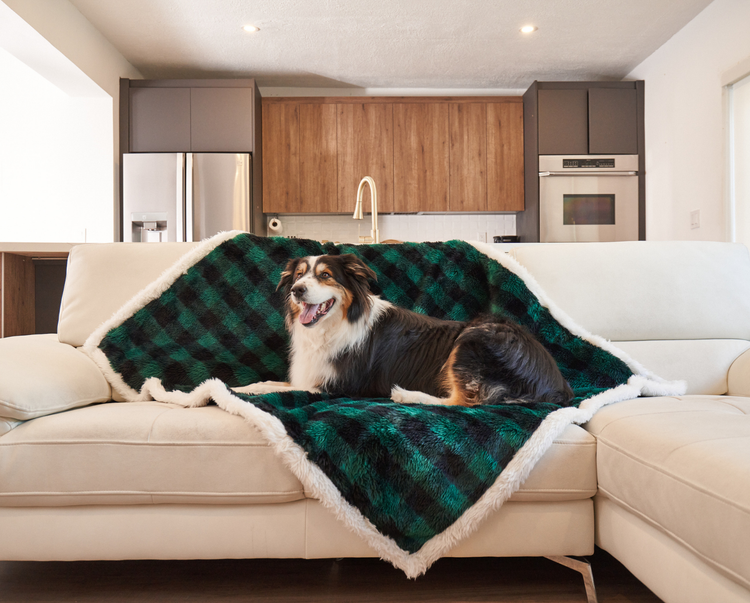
(410, 471)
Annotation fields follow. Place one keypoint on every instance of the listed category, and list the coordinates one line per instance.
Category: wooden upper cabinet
(468, 157)
(318, 158)
(281, 167)
(299, 158)
(364, 133)
(421, 156)
(505, 176)
(431, 155)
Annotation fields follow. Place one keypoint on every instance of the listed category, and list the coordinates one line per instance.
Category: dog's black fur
(485, 361)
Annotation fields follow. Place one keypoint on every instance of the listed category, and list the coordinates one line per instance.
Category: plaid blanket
(403, 476)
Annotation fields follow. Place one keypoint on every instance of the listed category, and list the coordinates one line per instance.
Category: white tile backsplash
(417, 228)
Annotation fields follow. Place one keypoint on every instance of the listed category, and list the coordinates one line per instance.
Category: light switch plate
(695, 219)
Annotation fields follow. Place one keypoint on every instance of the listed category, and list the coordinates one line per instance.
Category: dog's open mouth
(312, 313)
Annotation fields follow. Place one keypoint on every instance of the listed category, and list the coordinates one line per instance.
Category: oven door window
(583, 209)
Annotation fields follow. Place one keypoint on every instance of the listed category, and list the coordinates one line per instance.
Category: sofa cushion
(101, 277)
(701, 363)
(149, 452)
(647, 290)
(683, 465)
(40, 376)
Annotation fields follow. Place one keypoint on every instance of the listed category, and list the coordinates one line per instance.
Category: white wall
(84, 54)
(55, 160)
(685, 122)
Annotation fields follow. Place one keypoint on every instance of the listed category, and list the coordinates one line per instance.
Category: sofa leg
(582, 566)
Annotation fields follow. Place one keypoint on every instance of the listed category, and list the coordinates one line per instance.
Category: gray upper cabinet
(563, 122)
(221, 120)
(199, 116)
(613, 121)
(160, 120)
(588, 120)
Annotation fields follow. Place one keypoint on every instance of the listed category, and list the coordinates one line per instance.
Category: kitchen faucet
(375, 237)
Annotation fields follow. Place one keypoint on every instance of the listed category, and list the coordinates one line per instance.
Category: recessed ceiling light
(528, 29)
(251, 28)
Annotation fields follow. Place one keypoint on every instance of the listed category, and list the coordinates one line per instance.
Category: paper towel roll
(275, 227)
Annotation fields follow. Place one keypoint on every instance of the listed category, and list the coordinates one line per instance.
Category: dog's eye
(297, 276)
(325, 275)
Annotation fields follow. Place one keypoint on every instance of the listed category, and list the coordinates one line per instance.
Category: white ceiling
(467, 44)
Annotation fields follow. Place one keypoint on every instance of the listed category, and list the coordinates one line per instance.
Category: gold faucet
(375, 236)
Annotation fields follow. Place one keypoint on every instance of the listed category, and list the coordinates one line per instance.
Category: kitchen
(439, 167)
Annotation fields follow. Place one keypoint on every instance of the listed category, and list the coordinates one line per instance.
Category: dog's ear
(357, 269)
(287, 276)
(358, 274)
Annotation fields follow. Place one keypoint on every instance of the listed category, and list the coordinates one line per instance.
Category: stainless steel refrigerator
(186, 196)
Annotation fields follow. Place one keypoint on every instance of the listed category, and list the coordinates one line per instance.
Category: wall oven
(588, 198)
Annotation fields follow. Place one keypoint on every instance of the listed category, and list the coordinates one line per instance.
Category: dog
(349, 342)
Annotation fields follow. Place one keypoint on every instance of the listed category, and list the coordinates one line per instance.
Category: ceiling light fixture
(251, 28)
(527, 29)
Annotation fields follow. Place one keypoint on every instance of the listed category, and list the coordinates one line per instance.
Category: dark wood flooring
(512, 580)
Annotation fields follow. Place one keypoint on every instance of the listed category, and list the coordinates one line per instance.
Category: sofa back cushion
(636, 291)
(681, 309)
(102, 277)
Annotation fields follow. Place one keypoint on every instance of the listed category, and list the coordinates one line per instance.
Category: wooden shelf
(18, 283)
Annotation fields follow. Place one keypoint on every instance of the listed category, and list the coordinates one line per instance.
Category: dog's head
(324, 287)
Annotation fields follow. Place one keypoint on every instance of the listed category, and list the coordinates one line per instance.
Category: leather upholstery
(682, 465)
(148, 452)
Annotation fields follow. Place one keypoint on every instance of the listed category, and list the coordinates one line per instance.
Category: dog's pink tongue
(308, 314)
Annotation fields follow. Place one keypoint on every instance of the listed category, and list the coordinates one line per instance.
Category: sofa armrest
(738, 377)
(41, 376)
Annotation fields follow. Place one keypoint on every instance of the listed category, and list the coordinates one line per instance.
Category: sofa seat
(682, 465)
(146, 453)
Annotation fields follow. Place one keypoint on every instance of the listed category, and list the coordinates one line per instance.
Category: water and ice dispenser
(148, 227)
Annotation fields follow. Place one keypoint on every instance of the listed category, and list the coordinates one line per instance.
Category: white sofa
(661, 483)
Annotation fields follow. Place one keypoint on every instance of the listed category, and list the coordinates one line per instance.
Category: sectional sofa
(662, 483)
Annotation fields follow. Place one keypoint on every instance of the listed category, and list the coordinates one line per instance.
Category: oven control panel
(589, 163)
(583, 164)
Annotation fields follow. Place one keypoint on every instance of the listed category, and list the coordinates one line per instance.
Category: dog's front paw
(399, 394)
(264, 387)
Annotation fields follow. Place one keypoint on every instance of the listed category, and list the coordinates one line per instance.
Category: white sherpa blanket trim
(318, 484)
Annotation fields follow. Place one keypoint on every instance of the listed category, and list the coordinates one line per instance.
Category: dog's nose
(299, 290)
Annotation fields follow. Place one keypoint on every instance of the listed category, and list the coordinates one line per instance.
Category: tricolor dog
(347, 341)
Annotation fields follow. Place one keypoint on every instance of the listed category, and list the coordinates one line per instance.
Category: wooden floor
(515, 580)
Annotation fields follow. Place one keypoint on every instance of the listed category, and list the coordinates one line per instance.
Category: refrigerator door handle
(189, 197)
(180, 199)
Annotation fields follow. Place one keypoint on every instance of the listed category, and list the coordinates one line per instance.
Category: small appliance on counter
(187, 196)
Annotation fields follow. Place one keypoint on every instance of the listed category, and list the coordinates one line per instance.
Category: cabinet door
(317, 158)
(613, 121)
(281, 176)
(159, 120)
(563, 122)
(468, 157)
(421, 157)
(505, 177)
(364, 133)
(221, 120)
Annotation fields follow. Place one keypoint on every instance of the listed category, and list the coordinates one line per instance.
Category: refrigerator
(186, 196)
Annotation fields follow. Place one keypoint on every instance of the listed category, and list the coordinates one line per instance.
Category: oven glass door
(585, 207)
